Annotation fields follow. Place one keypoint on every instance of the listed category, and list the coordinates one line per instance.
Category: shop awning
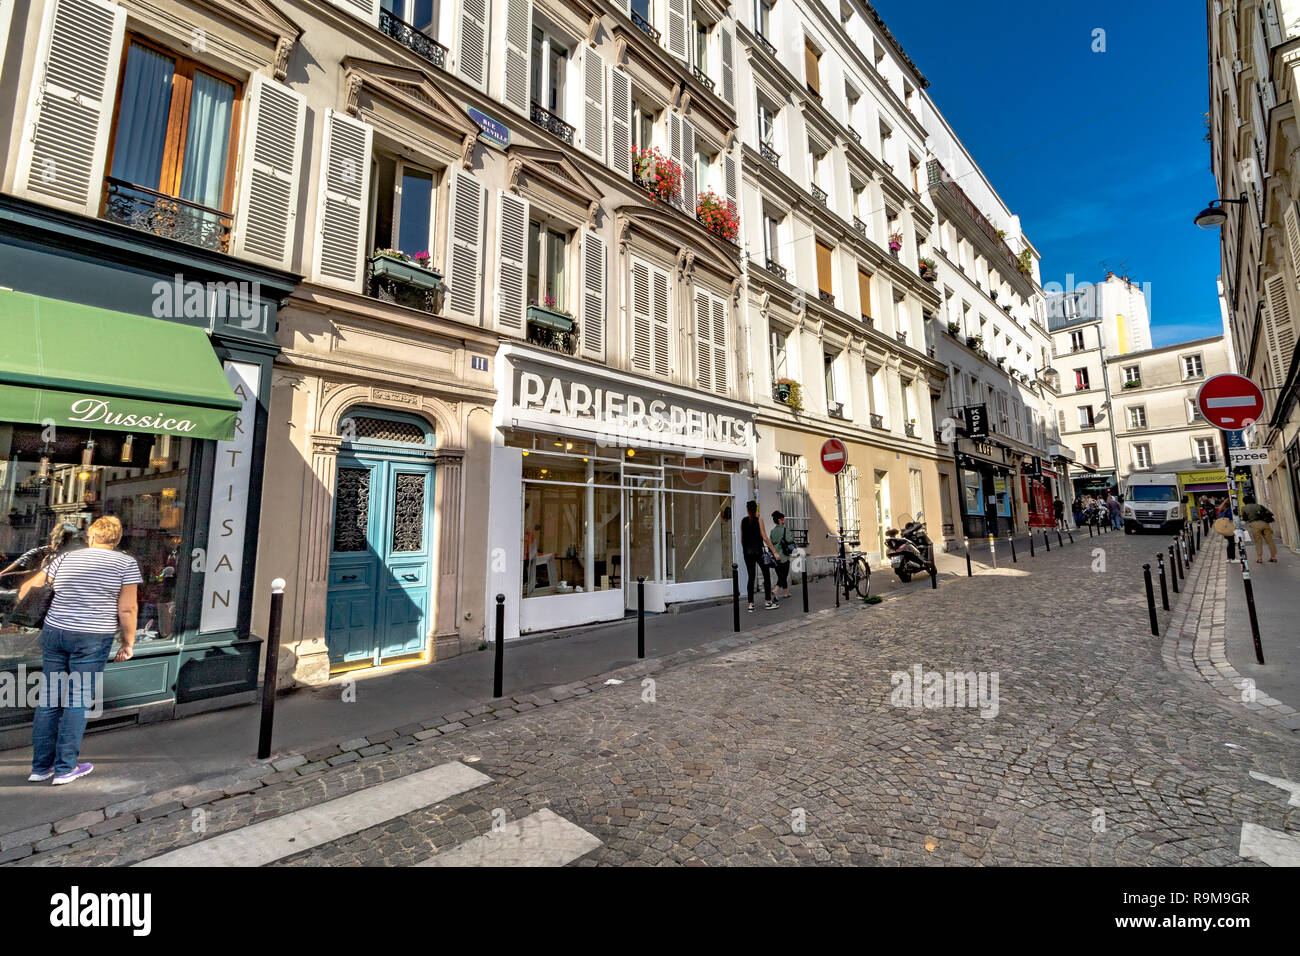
(95, 368)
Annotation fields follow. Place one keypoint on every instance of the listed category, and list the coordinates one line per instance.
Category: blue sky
(1100, 154)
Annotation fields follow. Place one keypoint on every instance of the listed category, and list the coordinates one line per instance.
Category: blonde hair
(106, 530)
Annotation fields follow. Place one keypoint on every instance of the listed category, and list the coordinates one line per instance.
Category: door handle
(348, 577)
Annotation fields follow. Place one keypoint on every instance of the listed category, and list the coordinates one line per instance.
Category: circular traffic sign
(693, 470)
(834, 456)
(1230, 402)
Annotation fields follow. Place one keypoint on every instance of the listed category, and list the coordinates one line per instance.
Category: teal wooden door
(377, 604)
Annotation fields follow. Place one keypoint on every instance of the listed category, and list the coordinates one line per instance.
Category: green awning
(95, 368)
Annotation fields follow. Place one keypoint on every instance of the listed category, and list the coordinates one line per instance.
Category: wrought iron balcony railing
(703, 78)
(826, 297)
(860, 226)
(768, 153)
(766, 44)
(909, 429)
(151, 211)
(835, 409)
(776, 268)
(644, 26)
(901, 336)
(854, 135)
(413, 39)
(939, 178)
(548, 121)
(819, 194)
(877, 421)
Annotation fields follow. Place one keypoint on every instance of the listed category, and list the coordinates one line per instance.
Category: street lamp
(1214, 215)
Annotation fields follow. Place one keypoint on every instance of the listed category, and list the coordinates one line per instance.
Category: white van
(1152, 503)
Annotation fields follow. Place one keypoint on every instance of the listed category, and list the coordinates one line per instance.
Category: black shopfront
(183, 336)
(986, 485)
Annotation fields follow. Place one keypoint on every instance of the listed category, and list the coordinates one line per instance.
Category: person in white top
(94, 599)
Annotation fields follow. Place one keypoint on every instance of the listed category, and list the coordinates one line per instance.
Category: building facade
(1251, 128)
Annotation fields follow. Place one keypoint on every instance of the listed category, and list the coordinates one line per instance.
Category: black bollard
(1151, 600)
(272, 670)
(1047, 542)
(1059, 542)
(968, 571)
(735, 598)
(1164, 590)
(1182, 566)
(1090, 529)
(1173, 569)
(803, 578)
(934, 570)
(1069, 534)
(1011, 538)
(640, 617)
(498, 667)
(1250, 604)
(1031, 544)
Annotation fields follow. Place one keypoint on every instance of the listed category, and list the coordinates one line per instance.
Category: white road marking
(1273, 847)
(1294, 788)
(271, 840)
(539, 839)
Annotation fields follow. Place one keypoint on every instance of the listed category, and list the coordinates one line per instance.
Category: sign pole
(839, 515)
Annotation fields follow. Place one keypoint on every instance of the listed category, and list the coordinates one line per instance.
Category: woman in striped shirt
(94, 598)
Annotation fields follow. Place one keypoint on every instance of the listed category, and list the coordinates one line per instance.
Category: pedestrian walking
(782, 547)
(1260, 521)
(758, 552)
(1077, 506)
(1224, 524)
(94, 599)
(1116, 512)
(1058, 509)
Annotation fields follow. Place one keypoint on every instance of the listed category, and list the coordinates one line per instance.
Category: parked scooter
(908, 550)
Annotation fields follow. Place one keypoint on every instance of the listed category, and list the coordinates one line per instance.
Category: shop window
(972, 494)
(171, 167)
(698, 519)
(51, 492)
(572, 525)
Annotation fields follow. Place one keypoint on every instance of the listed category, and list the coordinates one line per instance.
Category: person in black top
(1058, 509)
(753, 541)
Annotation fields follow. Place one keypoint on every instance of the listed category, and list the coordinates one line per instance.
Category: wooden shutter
(661, 323)
(703, 341)
(1279, 328)
(65, 139)
(593, 104)
(824, 267)
(268, 189)
(472, 60)
(864, 293)
(675, 148)
(344, 193)
(518, 50)
(679, 16)
(1291, 224)
(367, 10)
(592, 321)
(620, 122)
(730, 187)
(812, 74)
(642, 324)
(721, 376)
(465, 256)
(727, 48)
(512, 263)
(690, 189)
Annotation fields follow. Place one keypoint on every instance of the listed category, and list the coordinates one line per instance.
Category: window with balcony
(1090, 455)
(1142, 457)
(778, 354)
(772, 243)
(825, 270)
(1192, 366)
(763, 17)
(817, 176)
(851, 100)
(1137, 416)
(403, 218)
(812, 68)
(548, 257)
(1207, 451)
(1081, 382)
(834, 407)
(915, 165)
(1086, 419)
(414, 24)
(171, 170)
(864, 296)
(644, 123)
(550, 65)
(878, 397)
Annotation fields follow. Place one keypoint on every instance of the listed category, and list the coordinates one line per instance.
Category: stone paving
(788, 745)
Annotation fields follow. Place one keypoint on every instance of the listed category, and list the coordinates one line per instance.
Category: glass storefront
(597, 517)
(55, 482)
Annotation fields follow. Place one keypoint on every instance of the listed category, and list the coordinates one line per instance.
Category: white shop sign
(228, 518)
(618, 415)
(1248, 456)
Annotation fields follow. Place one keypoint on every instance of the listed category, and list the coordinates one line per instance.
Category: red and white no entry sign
(693, 470)
(1230, 402)
(834, 456)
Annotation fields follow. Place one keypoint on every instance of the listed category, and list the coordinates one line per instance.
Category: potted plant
(789, 393)
(1134, 383)
(415, 272)
(659, 174)
(1024, 262)
(928, 269)
(993, 294)
(718, 216)
(895, 242)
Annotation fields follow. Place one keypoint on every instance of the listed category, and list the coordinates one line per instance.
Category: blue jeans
(60, 720)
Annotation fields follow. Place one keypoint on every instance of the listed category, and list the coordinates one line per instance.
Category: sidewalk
(1277, 605)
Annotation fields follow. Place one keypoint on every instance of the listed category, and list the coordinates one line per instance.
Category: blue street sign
(495, 132)
(1237, 438)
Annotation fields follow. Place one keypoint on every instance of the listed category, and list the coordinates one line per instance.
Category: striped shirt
(86, 585)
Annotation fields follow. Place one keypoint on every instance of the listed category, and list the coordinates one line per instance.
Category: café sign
(85, 410)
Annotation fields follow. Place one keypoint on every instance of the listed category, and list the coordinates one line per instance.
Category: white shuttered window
(341, 211)
(465, 253)
(651, 342)
(472, 58)
(592, 321)
(620, 122)
(65, 139)
(593, 104)
(512, 263)
(711, 365)
(268, 191)
(518, 47)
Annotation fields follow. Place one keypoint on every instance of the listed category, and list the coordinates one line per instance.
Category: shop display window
(52, 490)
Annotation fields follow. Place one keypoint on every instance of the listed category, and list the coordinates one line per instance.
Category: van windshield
(1153, 493)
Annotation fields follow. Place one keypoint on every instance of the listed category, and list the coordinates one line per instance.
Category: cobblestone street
(1093, 746)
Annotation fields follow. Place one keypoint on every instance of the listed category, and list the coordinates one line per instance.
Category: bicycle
(852, 571)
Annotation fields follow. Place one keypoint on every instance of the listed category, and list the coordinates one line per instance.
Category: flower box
(405, 272)
(789, 393)
(552, 319)
(717, 215)
(660, 175)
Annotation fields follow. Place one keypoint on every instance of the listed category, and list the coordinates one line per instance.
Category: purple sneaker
(80, 770)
